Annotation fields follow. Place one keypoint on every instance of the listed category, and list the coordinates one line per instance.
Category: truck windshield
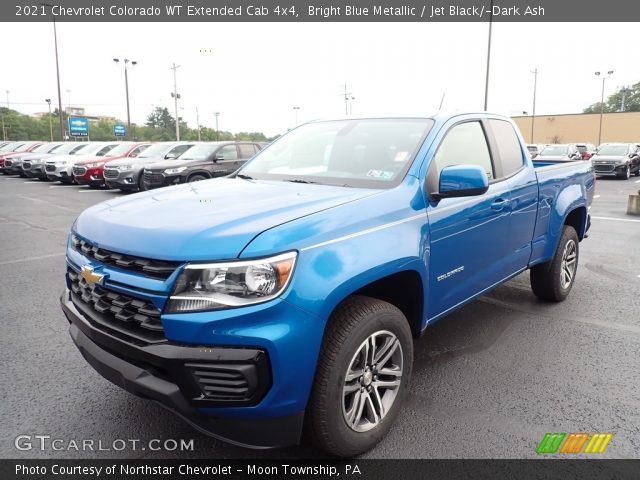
(157, 150)
(369, 153)
(121, 149)
(613, 150)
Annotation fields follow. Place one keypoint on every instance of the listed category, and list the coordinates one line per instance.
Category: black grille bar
(152, 268)
(135, 317)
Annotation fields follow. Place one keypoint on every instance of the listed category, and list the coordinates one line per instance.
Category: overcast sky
(254, 74)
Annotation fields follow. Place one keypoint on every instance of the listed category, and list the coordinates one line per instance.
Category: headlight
(91, 165)
(216, 286)
(173, 171)
(60, 163)
(122, 168)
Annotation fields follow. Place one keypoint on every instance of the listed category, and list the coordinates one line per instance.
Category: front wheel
(362, 376)
(196, 178)
(552, 280)
(626, 175)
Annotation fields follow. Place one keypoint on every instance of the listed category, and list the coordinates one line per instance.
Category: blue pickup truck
(281, 302)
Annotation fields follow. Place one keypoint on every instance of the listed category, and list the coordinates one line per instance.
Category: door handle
(499, 203)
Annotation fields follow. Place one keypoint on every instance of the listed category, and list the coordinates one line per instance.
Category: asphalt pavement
(488, 381)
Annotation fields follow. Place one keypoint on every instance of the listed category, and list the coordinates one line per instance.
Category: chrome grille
(50, 168)
(79, 171)
(8, 163)
(26, 166)
(150, 177)
(110, 173)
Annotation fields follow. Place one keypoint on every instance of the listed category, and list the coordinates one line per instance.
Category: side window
(247, 150)
(137, 151)
(464, 144)
(102, 152)
(179, 150)
(508, 147)
(228, 152)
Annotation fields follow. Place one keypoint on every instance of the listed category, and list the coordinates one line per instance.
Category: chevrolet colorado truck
(284, 298)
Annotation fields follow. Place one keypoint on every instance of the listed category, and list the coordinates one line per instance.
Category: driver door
(468, 247)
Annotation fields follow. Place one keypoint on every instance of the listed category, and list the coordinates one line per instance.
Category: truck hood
(203, 221)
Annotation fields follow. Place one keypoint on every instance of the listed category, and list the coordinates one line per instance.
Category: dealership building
(581, 127)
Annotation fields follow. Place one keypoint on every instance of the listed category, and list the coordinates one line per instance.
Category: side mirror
(133, 155)
(462, 181)
(218, 156)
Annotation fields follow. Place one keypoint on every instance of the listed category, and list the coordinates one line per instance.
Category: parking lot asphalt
(488, 382)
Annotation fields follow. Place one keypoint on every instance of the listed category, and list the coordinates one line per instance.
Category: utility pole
(624, 91)
(486, 82)
(217, 114)
(346, 100)
(535, 86)
(198, 123)
(7, 91)
(55, 43)
(48, 100)
(126, 89)
(176, 96)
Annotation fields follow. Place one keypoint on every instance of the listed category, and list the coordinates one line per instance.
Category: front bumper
(62, 173)
(613, 169)
(159, 179)
(124, 180)
(157, 372)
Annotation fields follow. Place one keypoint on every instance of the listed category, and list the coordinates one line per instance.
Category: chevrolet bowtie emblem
(90, 276)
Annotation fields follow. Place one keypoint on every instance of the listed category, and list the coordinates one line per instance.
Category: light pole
(351, 105)
(55, 42)
(48, 100)
(609, 73)
(126, 88)
(217, 114)
(486, 81)
(535, 86)
(7, 92)
(295, 113)
(346, 100)
(175, 95)
(198, 123)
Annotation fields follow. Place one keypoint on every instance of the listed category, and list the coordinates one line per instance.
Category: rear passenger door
(247, 151)
(467, 247)
(227, 160)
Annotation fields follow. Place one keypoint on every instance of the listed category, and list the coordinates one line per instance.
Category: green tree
(614, 102)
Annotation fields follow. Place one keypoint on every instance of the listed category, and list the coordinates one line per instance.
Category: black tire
(548, 280)
(355, 322)
(141, 187)
(196, 178)
(637, 174)
(626, 175)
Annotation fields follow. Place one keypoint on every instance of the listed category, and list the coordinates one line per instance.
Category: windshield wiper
(299, 180)
(243, 176)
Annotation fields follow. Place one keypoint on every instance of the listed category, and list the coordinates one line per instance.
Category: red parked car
(16, 147)
(91, 172)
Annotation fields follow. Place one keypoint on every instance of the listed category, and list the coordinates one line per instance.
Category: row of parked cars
(128, 166)
(609, 159)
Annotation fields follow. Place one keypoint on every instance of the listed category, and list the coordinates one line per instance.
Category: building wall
(616, 127)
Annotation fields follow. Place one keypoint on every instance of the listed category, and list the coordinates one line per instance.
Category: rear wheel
(362, 377)
(552, 281)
